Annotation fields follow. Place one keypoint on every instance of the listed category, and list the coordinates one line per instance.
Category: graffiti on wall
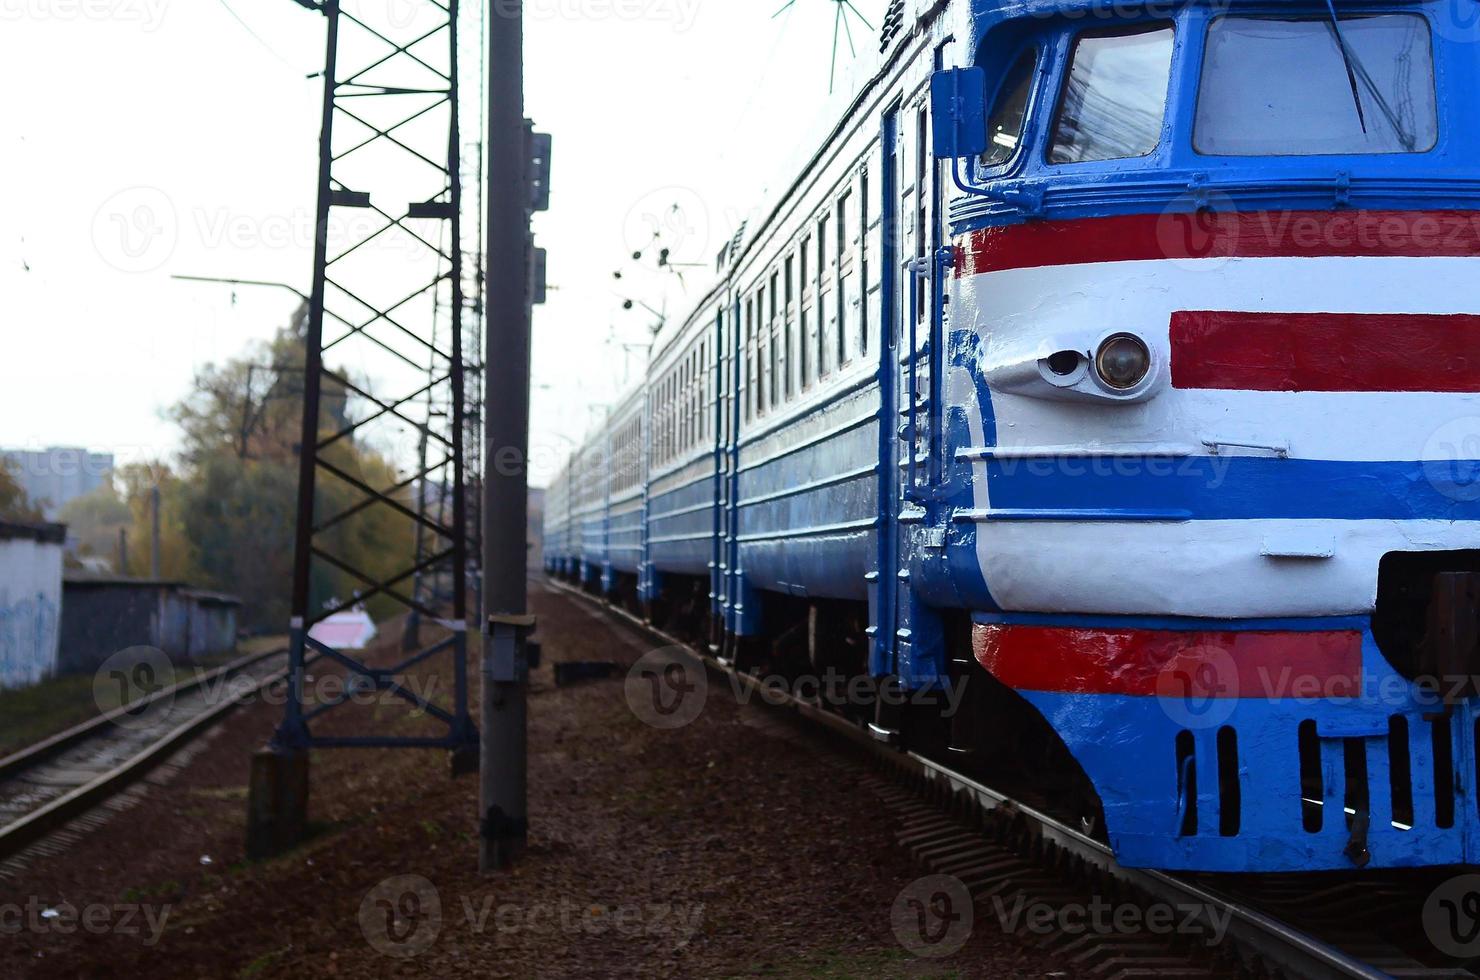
(28, 639)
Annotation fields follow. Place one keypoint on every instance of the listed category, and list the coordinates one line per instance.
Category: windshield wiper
(1347, 57)
(1354, 67)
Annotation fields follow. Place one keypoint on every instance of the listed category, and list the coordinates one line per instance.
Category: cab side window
(1010, 110)
(1114, 97)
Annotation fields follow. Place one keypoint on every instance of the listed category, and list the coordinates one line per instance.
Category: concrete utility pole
(154, 534)
(502, 773)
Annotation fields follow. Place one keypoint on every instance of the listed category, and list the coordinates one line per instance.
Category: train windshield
(1274, 87)
(1115, 96)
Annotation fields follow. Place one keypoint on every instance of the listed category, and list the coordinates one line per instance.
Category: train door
(903, 367)
(883, 583)
(905, 640)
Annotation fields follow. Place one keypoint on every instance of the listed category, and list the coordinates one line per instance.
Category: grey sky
(174, 106)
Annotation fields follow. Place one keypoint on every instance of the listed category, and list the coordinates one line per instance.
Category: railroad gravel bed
(730, 846)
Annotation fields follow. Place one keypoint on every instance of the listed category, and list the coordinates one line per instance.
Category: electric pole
(506, 623)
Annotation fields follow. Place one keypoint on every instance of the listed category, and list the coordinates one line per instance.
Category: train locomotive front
(1213, 309)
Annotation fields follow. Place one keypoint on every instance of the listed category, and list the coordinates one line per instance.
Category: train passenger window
(1010, 111)
(845, 277)
(777, 363)
(1114, 97)
(749, 389)
(826, 317)
(762, 335)
(864, 326)
(803, 340)
(1277, 87)
(789, 313)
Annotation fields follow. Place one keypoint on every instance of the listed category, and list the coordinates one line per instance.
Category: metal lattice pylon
(387, 308)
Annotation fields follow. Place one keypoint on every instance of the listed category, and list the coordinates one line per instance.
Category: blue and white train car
(1117, 362)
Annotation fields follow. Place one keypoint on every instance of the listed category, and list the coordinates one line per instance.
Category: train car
(679, 581)
(625, 499)
(1102, 383)
(557, 525)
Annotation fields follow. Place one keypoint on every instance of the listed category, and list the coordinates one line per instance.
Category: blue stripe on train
(1231, 488)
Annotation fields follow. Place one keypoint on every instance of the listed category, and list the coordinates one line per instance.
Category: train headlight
(1123, 361)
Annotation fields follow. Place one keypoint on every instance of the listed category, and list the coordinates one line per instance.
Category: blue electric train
(1119, 361)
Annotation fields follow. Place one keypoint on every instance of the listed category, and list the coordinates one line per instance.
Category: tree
(14, 504)
(228, 515)
(95, 518)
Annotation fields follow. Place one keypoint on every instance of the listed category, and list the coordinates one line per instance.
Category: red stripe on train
(1170, 663)
(1325, 351)
(1257, 234)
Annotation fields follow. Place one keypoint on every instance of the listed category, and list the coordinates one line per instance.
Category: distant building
(30, 601)
(105, 615)
(57, 474)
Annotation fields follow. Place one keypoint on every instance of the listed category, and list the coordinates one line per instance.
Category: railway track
(1011, 853)
(46, 786)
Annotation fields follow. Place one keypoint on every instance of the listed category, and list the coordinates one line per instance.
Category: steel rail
(51, 816)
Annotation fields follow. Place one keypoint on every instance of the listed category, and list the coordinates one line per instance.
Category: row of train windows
(680, 403)
(807, 318)
(626, 452)
(1270, 86)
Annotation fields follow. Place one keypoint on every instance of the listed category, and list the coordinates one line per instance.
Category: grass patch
(40, 711)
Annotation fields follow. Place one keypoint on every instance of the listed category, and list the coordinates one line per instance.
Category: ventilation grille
(893, 24)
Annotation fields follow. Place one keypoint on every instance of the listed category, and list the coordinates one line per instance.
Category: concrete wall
(30, 604)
